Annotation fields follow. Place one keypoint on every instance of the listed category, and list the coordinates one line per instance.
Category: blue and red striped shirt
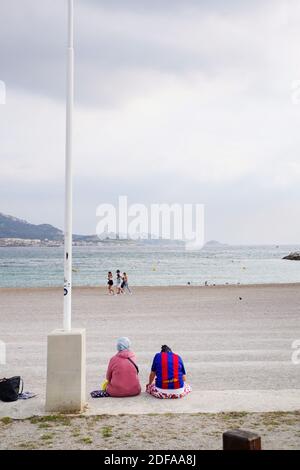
(169, 369)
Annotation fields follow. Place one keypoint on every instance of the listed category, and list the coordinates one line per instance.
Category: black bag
(10, 388)
(133, 363)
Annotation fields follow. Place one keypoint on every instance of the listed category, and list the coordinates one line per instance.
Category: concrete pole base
(66, 375)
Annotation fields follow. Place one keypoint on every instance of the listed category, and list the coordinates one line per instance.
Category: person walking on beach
(122, 378)
(119, 283)
(124, 284)
(110, 283)
(169, 375)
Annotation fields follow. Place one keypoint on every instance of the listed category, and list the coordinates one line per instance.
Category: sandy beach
(231, 347)
(236, 342)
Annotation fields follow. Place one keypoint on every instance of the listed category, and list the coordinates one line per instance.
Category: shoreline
(170, 287)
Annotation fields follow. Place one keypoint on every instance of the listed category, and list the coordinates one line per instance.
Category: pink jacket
(122, 375)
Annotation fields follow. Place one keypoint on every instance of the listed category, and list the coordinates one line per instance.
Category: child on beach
(110, 283)
(119, 283)
(124, 284)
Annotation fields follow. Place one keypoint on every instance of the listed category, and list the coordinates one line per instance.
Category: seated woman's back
(169, 374)
(169, 370)
(122, 375)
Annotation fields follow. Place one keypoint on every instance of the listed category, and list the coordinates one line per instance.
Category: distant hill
(11, 227)
(18, 230)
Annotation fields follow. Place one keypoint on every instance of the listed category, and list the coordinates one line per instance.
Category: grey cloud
(112, 64)
(32, 50)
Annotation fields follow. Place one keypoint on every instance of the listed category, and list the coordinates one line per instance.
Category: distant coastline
(92, 241)
(16, 232)
(32, 243)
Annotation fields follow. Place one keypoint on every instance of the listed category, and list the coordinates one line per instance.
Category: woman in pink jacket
(122, 374)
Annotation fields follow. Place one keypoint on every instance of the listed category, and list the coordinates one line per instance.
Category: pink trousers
(159, 393)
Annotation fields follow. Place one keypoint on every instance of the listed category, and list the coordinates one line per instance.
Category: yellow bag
(104, 385)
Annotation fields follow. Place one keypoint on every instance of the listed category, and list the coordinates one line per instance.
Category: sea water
(149, 265)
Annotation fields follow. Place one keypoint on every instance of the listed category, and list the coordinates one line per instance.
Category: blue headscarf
(123, 343)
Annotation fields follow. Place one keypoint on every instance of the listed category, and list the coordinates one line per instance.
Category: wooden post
(237, 439)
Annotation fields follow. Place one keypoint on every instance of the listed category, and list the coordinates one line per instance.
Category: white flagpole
(68, 173)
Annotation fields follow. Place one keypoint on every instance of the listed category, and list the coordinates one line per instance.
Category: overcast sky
(176, 101)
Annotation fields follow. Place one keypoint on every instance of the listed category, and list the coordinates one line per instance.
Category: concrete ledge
(207, 401)
(66, 375)
(201, 402)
